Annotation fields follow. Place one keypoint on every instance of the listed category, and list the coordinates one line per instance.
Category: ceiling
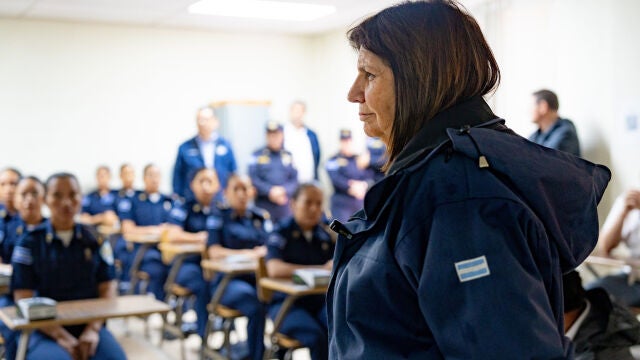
(173, 13)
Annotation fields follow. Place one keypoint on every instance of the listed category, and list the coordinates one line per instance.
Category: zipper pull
(339, 228)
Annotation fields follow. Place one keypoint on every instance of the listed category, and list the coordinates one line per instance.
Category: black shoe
(189, 328)
(168, 335)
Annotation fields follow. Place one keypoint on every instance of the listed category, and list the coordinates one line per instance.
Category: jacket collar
(472, 112)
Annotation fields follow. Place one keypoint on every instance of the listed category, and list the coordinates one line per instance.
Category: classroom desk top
(143, 238)
(288, 287)
(6, 269)
(612, 261)
(84, 311)
(181, 248)
(229, 267)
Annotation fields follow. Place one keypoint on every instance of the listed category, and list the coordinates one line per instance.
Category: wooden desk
(145, 241)
(177, 252)
(79, 312)
(293, 291)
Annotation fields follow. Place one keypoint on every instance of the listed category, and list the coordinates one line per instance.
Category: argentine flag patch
(472, 269)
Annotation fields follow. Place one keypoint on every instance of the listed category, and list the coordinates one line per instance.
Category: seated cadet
(99, 206)
(122, 250)
(9, 179)
(29, 197)
(148, 213)
(193, 221)
(64, 261)
(350, 182)
(302, 242)
(598, 327)
(622, 225)
(272, 173)
(244, 232)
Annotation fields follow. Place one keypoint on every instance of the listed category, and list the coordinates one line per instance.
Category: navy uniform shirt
(94, 203)
(145, 209)
(43, 264)
(289, 244)
(10, 233)
(269, 168)
(190, 159)
(561, 136)
(341, 169)
(193, 217)
(242, 232)
(125, 194)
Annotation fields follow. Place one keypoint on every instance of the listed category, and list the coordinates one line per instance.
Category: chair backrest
(264, 295)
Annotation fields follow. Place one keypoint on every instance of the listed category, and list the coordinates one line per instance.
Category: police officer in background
(127, 177)
(272, 173)
(98, 207)
(9, 178)
(207, 149)
(376, 157)
(350, 182)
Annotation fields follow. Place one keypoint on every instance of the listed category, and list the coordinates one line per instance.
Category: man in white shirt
(303, 144)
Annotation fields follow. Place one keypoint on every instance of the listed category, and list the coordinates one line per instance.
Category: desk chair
(218, 311)
(277, 339)
(177, 296)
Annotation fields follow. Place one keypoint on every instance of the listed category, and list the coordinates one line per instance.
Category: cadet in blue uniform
(63, 260)
(148, 213)
(244, 232)
(272, 173)
(208, 149)
(193, 222)
(299, 242)
(376, 151)
(459, 251)
(350, 181)
(99, 206)
(9, 179)
(122, 250)
(28, 200)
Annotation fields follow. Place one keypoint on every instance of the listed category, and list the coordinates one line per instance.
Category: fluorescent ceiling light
(262, 9)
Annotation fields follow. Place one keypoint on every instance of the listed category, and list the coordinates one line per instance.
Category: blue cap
(273, 126)
(345, 134)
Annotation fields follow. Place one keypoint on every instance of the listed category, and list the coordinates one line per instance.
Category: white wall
(73, 96)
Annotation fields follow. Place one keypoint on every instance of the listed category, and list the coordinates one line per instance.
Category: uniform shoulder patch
(472, 269)
(276, 240)
(22, 255)
(124, 205)
(214, 222)
(106, 253)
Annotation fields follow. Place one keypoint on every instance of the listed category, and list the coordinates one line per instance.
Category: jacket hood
(561, 189)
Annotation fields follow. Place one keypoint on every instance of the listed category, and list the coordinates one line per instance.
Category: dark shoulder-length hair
(438, 56)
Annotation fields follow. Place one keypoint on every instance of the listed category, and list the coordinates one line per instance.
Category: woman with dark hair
(459, 251)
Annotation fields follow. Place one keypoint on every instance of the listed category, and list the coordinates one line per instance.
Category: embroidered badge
(472, 269)
(221, 150)
(106, 253)
(22, 255)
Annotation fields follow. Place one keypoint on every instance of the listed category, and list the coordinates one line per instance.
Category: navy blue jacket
(269, 168)
(190, 159)
(561, 136)
(461, 261)
(377, 152)
(315, 149)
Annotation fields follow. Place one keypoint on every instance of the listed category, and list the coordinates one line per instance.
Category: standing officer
(303, 143)
(64, 261)
(98, 207)
(350, 182)
(207, 149)
(29, 197)
(272, 173)
(148, 213)
(302, 242)
(243, 232)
